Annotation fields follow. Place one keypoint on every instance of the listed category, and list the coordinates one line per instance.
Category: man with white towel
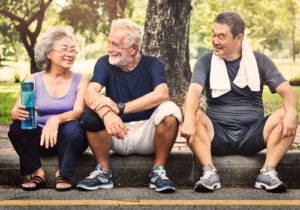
(233, 123)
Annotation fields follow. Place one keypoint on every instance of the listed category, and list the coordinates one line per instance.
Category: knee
(72, 131)
(91, 121)
(170, 122)
(278, 116)
(201, 118)
(168, 126)
(14, 130)
(165, 110)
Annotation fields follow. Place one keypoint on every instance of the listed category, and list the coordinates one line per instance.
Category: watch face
(121, 106)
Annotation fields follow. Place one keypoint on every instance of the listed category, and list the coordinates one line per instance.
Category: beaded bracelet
(106, 113)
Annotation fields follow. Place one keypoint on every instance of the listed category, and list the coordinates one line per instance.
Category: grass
(10, 91)
(274, 101)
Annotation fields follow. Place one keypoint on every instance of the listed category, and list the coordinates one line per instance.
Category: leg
(276, 146)
(164, 138)
(204, 136)
(210, 180)
(27, 145)
(71, 142)
(100, 144)
(166, 118)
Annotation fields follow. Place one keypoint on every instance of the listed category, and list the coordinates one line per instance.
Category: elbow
(164, 96)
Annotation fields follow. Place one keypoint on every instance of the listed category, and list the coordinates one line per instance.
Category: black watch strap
(121, 107)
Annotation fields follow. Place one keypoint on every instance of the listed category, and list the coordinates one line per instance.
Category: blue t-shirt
(122, 86)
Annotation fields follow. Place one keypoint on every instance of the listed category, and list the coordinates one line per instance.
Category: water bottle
(27, 100)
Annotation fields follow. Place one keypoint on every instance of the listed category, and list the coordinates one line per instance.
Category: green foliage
(269, 23)
(7, 102)
(273, 102)
(8, 95)
(295, 82)
(86, 17)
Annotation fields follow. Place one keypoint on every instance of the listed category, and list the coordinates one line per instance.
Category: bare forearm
(148, 101)
(290, 102)
(68, 116)
(191, 103)
(190, 107)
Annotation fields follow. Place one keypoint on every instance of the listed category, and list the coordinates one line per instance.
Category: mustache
(217, 46)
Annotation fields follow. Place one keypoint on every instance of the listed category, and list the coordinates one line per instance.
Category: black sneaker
(98, 179)
(160, 182)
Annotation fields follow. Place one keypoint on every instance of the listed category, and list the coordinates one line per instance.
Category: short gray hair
(45, 44)
(134, 33)
(233, 20)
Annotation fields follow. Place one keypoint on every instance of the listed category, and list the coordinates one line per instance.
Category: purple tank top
(46, 105)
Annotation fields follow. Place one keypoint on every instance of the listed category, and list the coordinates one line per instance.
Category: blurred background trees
(26, 17)
(178, 31)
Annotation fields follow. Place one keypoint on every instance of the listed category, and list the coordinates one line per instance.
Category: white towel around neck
(248, 73)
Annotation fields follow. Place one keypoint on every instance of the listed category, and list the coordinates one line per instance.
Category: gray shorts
(247, 141)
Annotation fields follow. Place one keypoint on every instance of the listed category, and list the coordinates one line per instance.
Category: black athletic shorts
(247, 141)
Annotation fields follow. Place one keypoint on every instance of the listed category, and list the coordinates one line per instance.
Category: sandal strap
(36, 180)
(60, 179)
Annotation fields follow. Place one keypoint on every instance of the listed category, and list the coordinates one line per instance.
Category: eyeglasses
(66, 51)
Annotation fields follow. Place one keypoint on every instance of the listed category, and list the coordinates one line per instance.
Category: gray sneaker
(160, 182)
(98, 179)
(268, 180)
(209, 181)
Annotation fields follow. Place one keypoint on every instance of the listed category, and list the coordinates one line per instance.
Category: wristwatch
(121, 107)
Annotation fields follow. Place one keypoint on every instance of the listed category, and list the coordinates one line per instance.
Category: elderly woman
(59, 104)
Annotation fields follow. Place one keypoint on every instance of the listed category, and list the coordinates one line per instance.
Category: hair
(134, 33)
(45, 44)
(233, 20)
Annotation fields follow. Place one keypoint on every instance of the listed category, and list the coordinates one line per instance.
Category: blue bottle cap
(27, 86)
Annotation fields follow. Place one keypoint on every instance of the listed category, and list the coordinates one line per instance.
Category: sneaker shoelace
(272, 174)
(94, 174)
(208, 174)
(161, 173)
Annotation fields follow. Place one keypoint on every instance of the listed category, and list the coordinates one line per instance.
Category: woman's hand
(19, 113)
(49, 133)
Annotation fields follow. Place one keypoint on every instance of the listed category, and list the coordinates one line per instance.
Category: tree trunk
(167, 37)
(23, 26)
(115, 8)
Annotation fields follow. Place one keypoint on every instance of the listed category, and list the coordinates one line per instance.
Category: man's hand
(102, 101)
(289, 124)
(114, 125)
(49, 132)
(188, 130)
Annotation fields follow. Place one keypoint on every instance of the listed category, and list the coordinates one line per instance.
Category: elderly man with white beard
(135, 116)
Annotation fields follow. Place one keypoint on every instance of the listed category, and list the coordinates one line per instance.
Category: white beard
(120, 60)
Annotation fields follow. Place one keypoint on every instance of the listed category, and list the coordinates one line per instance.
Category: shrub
(295, 82)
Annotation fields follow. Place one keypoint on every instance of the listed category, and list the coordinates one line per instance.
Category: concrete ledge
(133, 171)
